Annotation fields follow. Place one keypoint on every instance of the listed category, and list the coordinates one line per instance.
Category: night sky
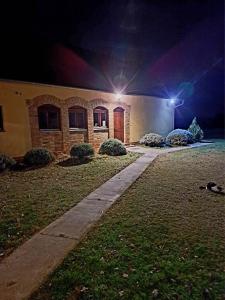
(157, 47)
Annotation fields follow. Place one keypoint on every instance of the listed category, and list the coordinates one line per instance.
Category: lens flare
(172, 101)
(118, 96)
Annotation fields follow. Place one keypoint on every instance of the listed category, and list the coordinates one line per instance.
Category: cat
(213, 187)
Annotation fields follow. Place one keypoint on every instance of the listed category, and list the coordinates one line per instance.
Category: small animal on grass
(213, 187)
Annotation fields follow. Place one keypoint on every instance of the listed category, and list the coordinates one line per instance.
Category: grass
(164, 239)
(32, 199)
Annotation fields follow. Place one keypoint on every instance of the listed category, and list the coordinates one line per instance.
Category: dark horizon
(157, 47)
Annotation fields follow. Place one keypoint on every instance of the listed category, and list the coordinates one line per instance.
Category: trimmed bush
(196, 130)
(82, 150)
(179, 137)
(113, 147)
(152, 140)
(38, 157)
(6, 162)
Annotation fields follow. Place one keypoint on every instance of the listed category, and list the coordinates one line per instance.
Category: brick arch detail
(111, 105)
(61, 141)
(45, 99)
(99, 102)
(76, 101)
(122, 105)
(126, 109)
(52, 140)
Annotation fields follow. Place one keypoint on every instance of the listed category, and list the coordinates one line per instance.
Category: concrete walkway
(158, 151)
(28, 266)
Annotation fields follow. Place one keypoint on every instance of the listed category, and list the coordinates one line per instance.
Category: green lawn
(164, 239)
(31, 200)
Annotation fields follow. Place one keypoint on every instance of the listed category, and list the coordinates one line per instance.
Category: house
(56, 117)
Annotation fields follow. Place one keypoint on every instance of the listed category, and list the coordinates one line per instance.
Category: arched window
(49, 117)
(100, 117)
(77, 117)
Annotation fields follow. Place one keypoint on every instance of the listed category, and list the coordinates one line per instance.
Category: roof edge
(72, 88)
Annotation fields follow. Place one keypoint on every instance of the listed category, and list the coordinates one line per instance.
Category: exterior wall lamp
(118, 96)
(174, 102)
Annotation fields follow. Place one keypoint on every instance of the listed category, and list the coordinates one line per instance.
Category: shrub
(152, 140)
(196, 130)
(6, 162)
(38, 157)
(113, 147)
(82, 150)
(179, 137)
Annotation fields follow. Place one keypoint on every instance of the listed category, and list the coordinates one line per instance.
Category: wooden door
(119, 123)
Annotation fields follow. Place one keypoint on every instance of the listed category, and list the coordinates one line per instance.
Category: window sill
(101, 129)
(50, 130)
(77, 129)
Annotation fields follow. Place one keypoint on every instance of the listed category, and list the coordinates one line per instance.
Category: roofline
(72, 88)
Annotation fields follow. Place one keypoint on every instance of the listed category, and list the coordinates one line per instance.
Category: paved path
(28, 266)
(158, 151)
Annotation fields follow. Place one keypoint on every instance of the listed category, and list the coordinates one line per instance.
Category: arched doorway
(119, 123)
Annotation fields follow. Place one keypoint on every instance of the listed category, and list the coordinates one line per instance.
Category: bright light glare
(172, 101)
(118, 96)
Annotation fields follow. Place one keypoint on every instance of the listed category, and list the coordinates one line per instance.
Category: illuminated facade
(56, 117)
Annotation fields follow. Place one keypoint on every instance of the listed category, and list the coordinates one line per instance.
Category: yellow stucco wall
(15, 139)
(148, 114)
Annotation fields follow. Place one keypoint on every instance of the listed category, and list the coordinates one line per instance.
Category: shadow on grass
(70, 162)
(21, 167)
